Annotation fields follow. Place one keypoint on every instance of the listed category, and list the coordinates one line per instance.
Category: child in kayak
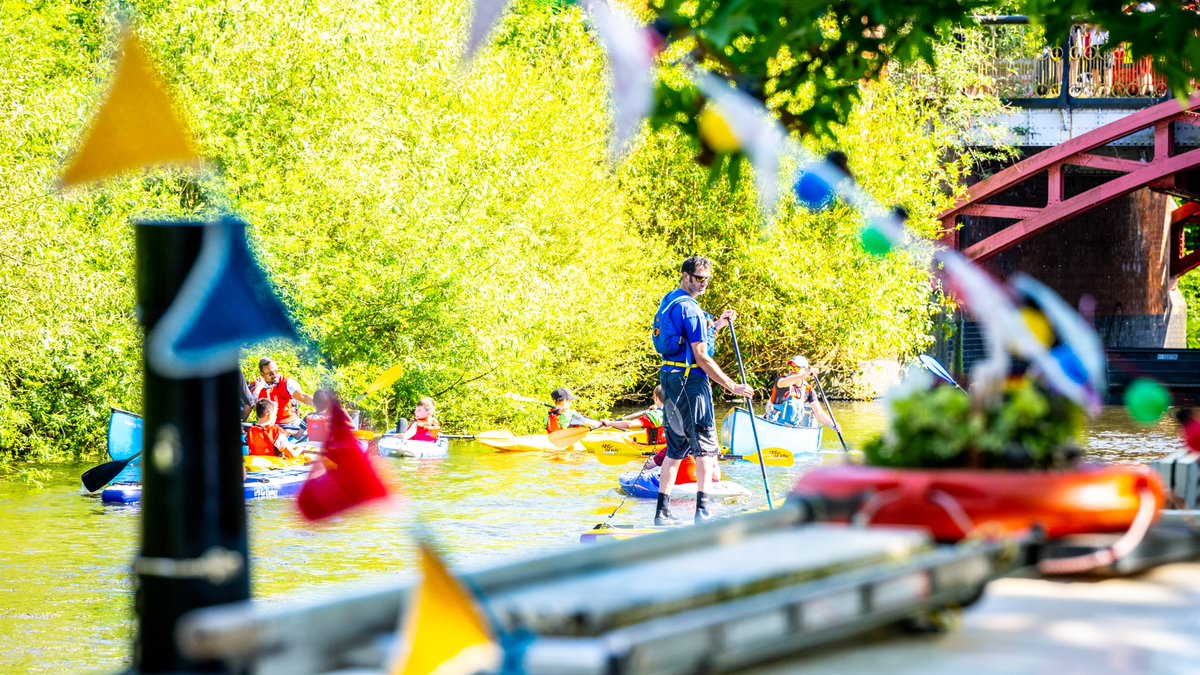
(424, 426)
(266, 438)
(317, 422)
(561, 416)
(651, 420)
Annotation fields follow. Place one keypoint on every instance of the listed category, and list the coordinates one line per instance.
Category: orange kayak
(953, 504)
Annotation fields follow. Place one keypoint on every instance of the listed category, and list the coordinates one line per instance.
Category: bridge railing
(1017, 62)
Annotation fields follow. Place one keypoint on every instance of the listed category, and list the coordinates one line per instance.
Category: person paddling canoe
(684, 336)
(793, 399)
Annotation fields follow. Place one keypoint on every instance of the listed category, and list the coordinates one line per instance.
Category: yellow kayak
(503, 440)
(623, 444)
(268, 463)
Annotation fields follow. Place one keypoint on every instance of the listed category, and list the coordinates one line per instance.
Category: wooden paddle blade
(772, 457)
(97, 477)
(388, 377)
(565, 438)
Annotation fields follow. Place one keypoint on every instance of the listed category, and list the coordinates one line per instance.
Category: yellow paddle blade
(136, 126)
(772, 457)
(444, 631)
(386, 379)
(565, 438)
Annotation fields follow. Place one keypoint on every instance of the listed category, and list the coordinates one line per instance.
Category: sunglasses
(701, 278)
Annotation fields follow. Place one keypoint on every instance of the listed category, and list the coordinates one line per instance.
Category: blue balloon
(813, 192)
(1070, 363)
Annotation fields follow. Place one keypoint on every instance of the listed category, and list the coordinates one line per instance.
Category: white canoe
(394, 446)
(737, 435)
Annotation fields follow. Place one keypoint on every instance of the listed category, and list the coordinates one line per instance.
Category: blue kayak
(644, 484)
(125, 441)
(258, 485)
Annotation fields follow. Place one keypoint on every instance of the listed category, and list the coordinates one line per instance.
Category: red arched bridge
(1165, 170)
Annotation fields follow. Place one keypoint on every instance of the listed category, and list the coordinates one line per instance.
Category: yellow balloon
(1037, 324)
(715, 132)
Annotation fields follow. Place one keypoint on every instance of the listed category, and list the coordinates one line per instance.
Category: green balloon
(1146, 400)
(874, 243)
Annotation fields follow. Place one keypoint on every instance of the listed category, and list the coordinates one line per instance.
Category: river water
(66, 593)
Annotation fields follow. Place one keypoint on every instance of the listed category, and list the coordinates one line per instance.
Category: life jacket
(261, 440)
(279, 393)
(318, 427)
(552, 421)
(427, 430)
(652, 422)
(803, 393)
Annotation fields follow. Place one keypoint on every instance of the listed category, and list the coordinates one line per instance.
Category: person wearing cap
(793, 400)
(685, 377)
(561, 416)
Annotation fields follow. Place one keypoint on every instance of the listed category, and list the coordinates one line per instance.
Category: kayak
(644, 484)
(125, 441)
(265, 484)
(627, 444)
(394, 446)
(620, 532)
(504, 441)
(954, 503)
(738, 436)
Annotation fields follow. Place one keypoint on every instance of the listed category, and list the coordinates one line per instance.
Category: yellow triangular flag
(136, 126)
(444, 632)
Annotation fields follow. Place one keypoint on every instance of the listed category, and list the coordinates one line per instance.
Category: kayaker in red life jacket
(316, 423)
(282, 390)
(650, 420)
(266, 438)
(424, 426)
(561, 416)
(793, 400)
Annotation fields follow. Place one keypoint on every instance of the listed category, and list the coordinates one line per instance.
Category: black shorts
(688, 416)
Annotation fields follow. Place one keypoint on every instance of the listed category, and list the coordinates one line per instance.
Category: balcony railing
(1016, 62)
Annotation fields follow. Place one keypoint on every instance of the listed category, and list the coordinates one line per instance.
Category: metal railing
(1014, 61)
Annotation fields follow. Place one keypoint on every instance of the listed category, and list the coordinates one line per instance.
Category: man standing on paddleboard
(684, 336)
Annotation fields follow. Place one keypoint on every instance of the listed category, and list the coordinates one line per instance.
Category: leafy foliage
(463, 222)
(807, 58)
(941, 427)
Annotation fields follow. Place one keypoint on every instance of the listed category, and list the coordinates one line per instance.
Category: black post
(194, 544)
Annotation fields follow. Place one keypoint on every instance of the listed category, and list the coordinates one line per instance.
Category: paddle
(772, 457)
(829, 409)
(565, 438)
(931, 364)
(99, 476)
(525, 399)
(750, 406)
(387, 378)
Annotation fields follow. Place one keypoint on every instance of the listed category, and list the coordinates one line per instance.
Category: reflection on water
(66, 594)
